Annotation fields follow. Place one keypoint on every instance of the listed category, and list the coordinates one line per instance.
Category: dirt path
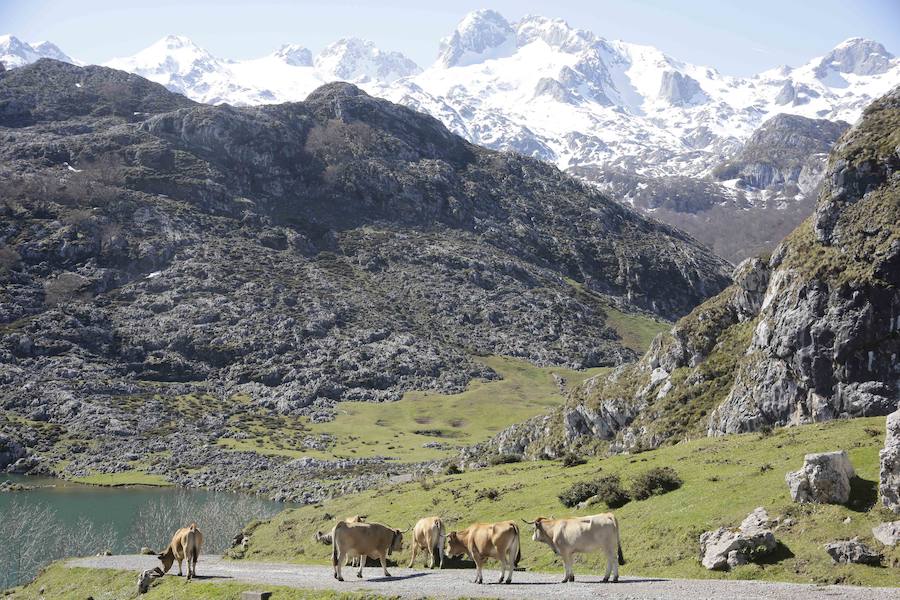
(456, 583)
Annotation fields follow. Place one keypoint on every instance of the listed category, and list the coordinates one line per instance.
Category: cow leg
(612, 558)
(412, 558)
(609, 566)
(362, 563)
(180, 572)
(338, 564)
(384, 566)
(196, 556)
(567, 563)
(440, 550)
(478, 564)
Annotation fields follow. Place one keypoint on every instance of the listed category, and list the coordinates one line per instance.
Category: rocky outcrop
(10, 452)
(887, 533)
(889, 478)
(824, 479)
(808, 334)
(679, 89)
(852, 551)
(724, 549)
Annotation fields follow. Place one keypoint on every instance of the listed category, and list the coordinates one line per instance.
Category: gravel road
(408, 583)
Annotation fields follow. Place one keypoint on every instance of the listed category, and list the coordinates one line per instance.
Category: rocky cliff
(809, 333)
(168, 266)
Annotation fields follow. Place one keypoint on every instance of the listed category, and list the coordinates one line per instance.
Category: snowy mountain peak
(294, 55)
(360, 61)
(16, 53)
(556, 33)
(174, 42)
(858, 56)
(481, 35)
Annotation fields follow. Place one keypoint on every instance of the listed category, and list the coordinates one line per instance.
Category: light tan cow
(363, 539)
(428, 536)
(578, 535)
(185, 545)
(488, 540)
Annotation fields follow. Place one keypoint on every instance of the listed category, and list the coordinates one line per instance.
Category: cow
(568, 537)
(428, 535)
(363, 539)
(185, 545)
(488, 540)
(325, 538)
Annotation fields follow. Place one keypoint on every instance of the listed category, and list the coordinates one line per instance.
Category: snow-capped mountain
(625, 116)
(16, 53)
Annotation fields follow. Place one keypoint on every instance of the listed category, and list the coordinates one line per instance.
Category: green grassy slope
(399, 429)
(724, 479)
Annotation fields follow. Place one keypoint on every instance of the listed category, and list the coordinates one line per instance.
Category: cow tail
(334, 543)
(619, 542)
(518, 547)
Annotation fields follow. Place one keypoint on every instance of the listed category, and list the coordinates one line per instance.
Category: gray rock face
(724, 549)
(681, 90)
(852, 551)
(10, 451)
(889, 478)
(856, 55)
(824, 479)
(483, 33)
(887, 533)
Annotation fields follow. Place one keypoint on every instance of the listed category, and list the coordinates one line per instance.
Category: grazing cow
(567, 537)
(185, 545)
(363, 539)
(488, 540)
(325, 538)
(428, 535)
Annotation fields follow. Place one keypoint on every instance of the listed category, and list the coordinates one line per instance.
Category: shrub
(502, 459)
(611, 492)
(654, 482)
(487, 494)
(452, 469)
(577, 493)
(572, 460)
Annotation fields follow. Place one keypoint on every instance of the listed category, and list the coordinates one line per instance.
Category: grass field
(61, 583)
(724, 479)
(399, 429)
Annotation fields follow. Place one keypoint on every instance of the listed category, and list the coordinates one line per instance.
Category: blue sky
(739, 37)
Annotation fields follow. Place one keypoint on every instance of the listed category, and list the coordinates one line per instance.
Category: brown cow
(428, 535)
(325, 538)
(185, 544)
(567, 537)
(363, 539)
(488, 540)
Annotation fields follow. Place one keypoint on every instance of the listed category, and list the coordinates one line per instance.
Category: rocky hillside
(750, 202)
(809, 333)
(168, 266)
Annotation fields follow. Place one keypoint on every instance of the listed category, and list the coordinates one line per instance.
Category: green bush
(655, 482)
(611, 492)
(452, 469)
(572, 460)
(502, 459)
(578, 492)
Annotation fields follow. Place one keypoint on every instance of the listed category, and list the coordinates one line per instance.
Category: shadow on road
(397, 577)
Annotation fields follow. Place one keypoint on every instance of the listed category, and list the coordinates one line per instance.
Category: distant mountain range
(539, 87)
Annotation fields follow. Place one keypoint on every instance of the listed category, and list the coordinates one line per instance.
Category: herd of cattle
(356, 540)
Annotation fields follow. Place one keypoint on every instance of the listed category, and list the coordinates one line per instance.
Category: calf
(488, 540)
(185, 545)
(568, 537)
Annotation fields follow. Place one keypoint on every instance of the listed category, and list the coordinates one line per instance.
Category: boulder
(10, 451)
(146, 578)
(824, 478)
(852, 551)
(889, 485)
(887, 533)
(724, 549)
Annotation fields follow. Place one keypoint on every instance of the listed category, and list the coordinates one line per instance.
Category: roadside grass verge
(399, 429)
(723, 478)
(62, 583)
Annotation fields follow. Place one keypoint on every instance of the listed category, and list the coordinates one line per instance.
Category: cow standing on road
(568, 537)
(363, 539)
(185, 544)
(488, 540)
(428, 535)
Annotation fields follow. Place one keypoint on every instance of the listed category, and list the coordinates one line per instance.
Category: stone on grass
(724, 548)
(852, 551)
(887, 533)
(889, 485)
(256, 595)
(147, 577)
(824, 478)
